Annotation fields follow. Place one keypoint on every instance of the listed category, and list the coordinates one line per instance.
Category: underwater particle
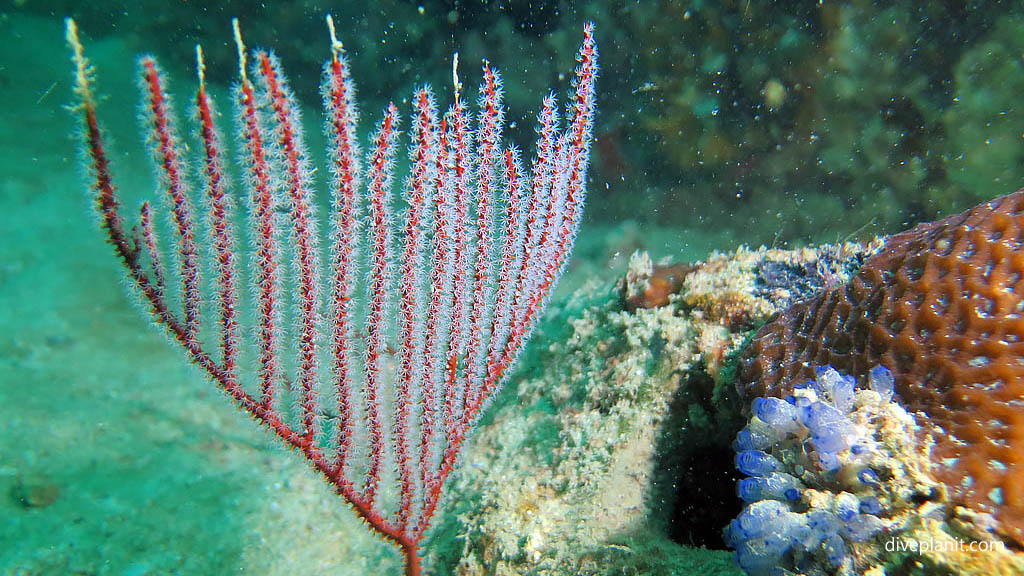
(774, 93)
(941, 306)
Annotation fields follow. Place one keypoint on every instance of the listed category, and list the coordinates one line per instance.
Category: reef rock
(615, 436)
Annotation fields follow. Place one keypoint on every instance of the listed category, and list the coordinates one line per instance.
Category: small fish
(646, 87)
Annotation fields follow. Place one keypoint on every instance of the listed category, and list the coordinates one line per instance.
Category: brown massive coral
(941, 306)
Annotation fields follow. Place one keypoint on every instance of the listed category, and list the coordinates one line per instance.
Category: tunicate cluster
(812, 462)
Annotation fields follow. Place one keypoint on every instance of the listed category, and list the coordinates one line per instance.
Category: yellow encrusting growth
(336, 46)
(241, 50)
(455, 77)
(200, 65)
(83, 69)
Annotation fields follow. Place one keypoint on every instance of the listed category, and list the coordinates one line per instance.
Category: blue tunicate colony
(812, 463)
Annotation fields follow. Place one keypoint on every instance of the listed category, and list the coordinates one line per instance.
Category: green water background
(117, 458)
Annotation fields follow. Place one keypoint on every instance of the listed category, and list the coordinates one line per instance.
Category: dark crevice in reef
(707, 500)
(694, 493)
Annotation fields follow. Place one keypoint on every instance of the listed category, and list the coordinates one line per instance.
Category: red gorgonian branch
(479, 248)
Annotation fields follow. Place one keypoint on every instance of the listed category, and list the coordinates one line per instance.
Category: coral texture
(941, 307)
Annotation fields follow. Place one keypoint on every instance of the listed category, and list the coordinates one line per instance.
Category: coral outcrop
(616, 434)
(941, 306)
